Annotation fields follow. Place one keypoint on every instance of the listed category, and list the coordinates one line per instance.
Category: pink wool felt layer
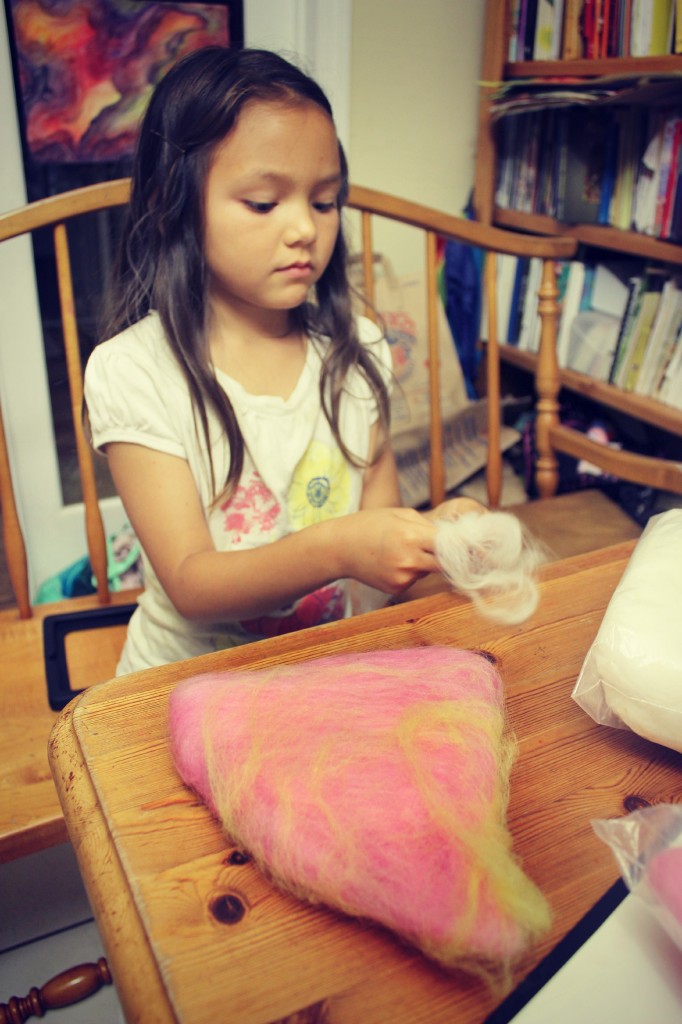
(375, 783)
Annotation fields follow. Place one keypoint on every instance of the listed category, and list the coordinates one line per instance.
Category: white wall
(414, 79)
(313, 33)
(415, 68)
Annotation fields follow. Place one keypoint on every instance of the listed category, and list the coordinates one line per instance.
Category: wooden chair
(30, 817)
(567, 524)
(53, 640)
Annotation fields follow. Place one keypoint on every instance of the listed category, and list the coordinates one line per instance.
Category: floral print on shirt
(252, 509)
(320, 488)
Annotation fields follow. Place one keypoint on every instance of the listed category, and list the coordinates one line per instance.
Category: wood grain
(179, 912)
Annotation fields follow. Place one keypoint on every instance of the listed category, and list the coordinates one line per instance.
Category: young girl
(243, 410)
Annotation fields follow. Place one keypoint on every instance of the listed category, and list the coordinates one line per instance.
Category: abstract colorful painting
(86, 68)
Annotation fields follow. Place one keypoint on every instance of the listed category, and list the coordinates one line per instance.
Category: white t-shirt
(294, 473)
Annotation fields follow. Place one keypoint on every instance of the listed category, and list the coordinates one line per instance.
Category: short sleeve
(132, 393)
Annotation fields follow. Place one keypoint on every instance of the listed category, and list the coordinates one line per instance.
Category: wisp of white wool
(491, 559)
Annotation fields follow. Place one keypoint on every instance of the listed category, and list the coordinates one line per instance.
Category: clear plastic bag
(632, 675)
(647, 845)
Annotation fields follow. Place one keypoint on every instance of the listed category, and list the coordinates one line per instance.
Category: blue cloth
(462, 274)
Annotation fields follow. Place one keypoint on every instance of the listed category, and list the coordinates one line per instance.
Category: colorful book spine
(548, 28)
(646, 314)
(673, 179)
(662, 339)
(627, 323)
(572, 41)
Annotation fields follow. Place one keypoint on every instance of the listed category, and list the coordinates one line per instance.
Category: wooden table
(194, 935)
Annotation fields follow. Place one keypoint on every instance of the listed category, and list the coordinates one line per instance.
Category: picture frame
(84, 69)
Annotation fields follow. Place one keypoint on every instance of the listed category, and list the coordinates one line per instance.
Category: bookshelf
(640, 407)
(663, 73)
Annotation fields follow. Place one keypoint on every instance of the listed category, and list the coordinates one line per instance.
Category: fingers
(453, 508)
(390, 548)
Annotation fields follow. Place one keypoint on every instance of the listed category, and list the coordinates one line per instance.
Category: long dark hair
(161, 263)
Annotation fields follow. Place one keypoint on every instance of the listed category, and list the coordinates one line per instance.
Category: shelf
(598, 235)
(646, 67)
(629, 81)
(648, 410)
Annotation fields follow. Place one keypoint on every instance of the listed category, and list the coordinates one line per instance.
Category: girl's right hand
(386, 548)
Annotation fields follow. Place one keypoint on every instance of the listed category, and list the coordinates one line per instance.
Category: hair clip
(170, 142)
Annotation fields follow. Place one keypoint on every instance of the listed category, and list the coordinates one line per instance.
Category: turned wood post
(547, 382)
(65, 989)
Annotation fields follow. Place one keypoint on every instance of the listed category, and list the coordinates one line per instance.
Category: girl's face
(271, 208)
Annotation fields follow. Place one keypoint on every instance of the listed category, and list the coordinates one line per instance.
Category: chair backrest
(433, 225)
(552, 437)
(54, 212)
(437, 226)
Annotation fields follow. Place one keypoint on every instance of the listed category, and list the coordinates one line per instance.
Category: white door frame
(315, 33)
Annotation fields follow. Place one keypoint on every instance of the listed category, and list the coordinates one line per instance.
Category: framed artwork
(84, 69)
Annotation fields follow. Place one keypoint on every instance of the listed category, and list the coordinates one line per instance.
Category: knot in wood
(487, 655)
(635, 803)
(238, 857)
(228, 908)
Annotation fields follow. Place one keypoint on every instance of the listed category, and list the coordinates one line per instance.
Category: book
(586, 297)
(521, 30)
(613, 45)
(673, 179)
(572, 42)
(529, 316)
(662, 19)
(514, 18)
(516, 303)
(634, 356)
(629, 142)
(588, 28)
(588, 337)
(604, 27)
(548, 28)
(525, 197)
(570, 304)
(529, 31)
(505, 162)
(545, 201)
(676, 216)
(634, 292)
(608, 181)
(579, 190)
(522, 127)
(593, 338)
(668, 132)
(609, 287)
(662, 338)
(624, 18)
(659, 385)
(506, 276)
(677, 40)
(646, 188)
(640, 27)
(651, 26)
(670, 386)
